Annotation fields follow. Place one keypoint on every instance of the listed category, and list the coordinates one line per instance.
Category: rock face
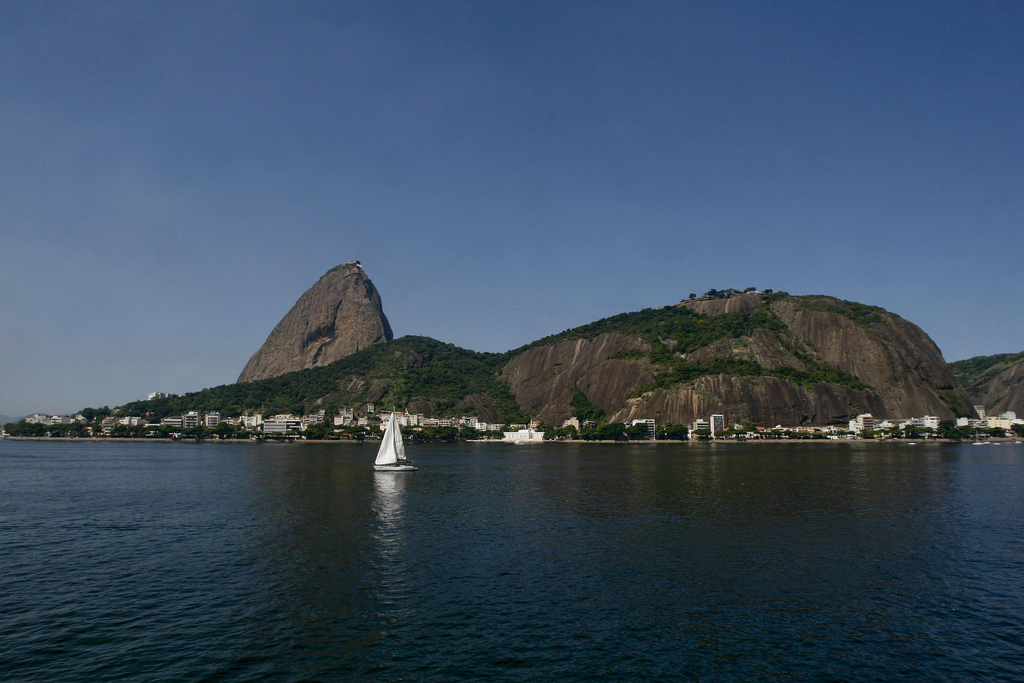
(543, 378)
(996, 382)
(334, 318)
(1005, 391)
(812, 360)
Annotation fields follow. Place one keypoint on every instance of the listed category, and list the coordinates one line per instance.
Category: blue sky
(174, 175)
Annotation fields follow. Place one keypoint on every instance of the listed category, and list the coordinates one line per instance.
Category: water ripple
(211, 562)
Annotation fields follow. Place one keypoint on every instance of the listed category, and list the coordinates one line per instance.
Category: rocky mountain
(996, 382)
(334, 318)
(757, 358)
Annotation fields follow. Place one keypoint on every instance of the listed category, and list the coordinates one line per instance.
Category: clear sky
(174, 175)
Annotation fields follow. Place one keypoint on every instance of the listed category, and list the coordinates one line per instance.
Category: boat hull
(394, 468)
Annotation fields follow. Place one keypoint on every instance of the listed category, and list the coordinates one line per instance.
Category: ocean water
(298, 562)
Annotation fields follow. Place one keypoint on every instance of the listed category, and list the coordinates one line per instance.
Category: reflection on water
(388, 489)
(569, 561)
(389, 535)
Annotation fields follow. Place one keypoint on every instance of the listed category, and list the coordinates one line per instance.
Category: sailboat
(391, 455)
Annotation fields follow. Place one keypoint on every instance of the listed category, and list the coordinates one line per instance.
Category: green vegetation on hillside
(583, 408)
(400, 372)
(954, 403)
(674, 330)
(681, 372)
(687, 328)
(979, 369)
(862, 314)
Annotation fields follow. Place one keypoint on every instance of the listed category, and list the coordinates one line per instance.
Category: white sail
(388, 454)
(399, 445)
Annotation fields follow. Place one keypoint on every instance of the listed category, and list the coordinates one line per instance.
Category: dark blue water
(224, 562)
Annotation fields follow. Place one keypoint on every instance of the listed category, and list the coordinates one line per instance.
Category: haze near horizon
(173, 177)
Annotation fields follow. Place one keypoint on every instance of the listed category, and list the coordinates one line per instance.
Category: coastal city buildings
(346, 423)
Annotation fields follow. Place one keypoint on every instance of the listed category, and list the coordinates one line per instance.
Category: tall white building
(717, 424)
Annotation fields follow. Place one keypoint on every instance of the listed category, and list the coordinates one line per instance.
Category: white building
(524, 436)
(926, 422)
(175, 421)
(158, 395)
(282, 424)
(211, 420)
(572, 422)
(409, 419)
(248, 421)
(862, 423)
(650, 427)
(313, 419)
(700, 425)
(191, 419)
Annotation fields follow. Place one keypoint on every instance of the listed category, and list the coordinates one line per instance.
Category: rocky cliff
(996, 382)
(334, 318)
(757, 359)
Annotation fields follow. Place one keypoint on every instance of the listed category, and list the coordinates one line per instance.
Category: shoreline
(666, 442)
